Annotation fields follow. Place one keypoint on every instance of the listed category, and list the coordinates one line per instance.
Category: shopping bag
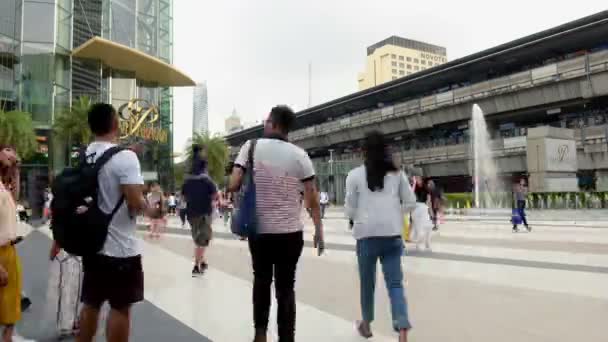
(515, 217)
(406, 227)
(244, 219)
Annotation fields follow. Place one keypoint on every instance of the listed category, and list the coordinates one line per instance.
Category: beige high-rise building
(397, 57)
(233, 123)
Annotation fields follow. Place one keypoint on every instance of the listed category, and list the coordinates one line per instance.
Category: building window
(400, 58)
(416, 60)
(409, 66)
(395, 71)
(394, 78)
(444, 60)
(409, 59)
(416, 68)
(401, 65)
(409, 73)
(423, 62)
(401, 72)
(393, 56)
(394, 64)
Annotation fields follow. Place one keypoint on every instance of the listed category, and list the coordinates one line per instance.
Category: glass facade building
(39, 75)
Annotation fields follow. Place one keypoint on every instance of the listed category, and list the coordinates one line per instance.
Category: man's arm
(131, 183)
(136, 202)
(240, 164)
(236, 179)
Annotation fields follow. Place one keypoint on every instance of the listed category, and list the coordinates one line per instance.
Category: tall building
(200, 113)
(53, 52)
(233, 123)
(397, 57)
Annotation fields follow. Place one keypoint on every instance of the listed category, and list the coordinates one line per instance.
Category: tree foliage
(73, 126)
(216, 152)
(17, 130)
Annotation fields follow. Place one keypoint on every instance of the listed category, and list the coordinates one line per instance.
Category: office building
(396, 57)
(200, 109)
(53, 52)
(233, 123)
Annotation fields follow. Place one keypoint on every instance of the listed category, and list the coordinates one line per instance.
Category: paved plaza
(480, 283)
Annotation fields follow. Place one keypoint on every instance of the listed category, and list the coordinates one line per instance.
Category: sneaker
(529, 228)
(204, 267)
(515, 230)
(196, 271)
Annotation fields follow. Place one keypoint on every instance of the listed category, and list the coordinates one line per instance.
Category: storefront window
(36, 78)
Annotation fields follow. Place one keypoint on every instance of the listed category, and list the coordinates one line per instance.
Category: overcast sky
(255, 54)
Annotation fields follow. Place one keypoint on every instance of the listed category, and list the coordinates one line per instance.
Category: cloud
(255, 54)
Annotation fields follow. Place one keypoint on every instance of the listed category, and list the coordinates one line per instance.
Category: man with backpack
(114, 272)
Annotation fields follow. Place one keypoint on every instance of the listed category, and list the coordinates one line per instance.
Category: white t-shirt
(171, 200)
(280, 169)
(324, 198)
(122, 169)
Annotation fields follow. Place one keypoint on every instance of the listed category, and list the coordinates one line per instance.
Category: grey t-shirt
(122, 169)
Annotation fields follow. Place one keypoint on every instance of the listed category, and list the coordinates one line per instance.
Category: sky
(256, 54)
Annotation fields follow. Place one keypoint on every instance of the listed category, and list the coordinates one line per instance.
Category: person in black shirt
(199, 192)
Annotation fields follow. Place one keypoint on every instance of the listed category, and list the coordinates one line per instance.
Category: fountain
(484, 172)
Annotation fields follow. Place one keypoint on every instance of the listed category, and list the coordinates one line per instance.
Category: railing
(567, 69)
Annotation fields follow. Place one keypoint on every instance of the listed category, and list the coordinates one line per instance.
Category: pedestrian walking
(282, 170)
(172, 203)
(520, 193)
(156, 199)
(324, 201)
(377, 196)
(115, 273)
(436, 203)
(421, 219)
(181, 208)
(200, 192)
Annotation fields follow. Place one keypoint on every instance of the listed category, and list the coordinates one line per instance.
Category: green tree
(73, 126)
(215, 150)
(17, 130)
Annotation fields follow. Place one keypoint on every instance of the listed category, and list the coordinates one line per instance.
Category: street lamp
(331, 173)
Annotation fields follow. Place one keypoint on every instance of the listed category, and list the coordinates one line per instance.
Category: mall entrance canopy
(145, 67)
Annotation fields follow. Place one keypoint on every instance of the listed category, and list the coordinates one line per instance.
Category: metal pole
(331, 173)
(309, 84)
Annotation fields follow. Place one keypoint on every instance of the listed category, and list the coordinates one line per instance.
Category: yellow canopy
(146, 68)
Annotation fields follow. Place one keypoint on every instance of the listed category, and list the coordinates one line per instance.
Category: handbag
(244, 218)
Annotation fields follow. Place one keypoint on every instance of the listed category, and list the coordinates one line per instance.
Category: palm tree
(17, 130)
(216, 153)
(72, 126)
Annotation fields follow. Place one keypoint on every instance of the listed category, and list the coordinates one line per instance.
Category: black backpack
(77, 223)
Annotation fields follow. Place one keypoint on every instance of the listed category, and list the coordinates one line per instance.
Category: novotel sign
(139, 118)
(435, 58)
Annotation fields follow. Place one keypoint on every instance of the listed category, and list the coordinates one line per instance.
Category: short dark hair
(283, 117)
(101, 116)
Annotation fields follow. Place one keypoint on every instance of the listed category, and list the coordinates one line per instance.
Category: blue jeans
(389, 250)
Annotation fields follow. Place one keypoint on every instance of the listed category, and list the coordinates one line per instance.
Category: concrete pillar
(552, 160)
(601, 177)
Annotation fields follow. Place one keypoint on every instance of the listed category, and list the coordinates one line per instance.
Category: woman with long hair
(377, 195)
(10, 267)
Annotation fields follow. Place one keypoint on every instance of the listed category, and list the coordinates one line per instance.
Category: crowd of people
(378, 196)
